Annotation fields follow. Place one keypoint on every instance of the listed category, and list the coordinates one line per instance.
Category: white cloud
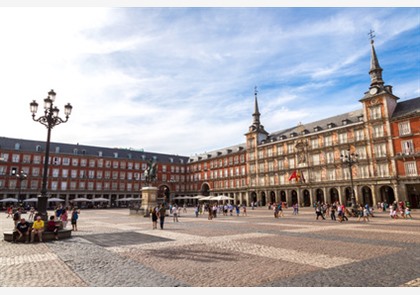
(181, 80)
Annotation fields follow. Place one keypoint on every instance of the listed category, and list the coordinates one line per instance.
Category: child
(408, 213)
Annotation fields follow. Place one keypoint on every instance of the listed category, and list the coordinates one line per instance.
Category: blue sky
(181, 80)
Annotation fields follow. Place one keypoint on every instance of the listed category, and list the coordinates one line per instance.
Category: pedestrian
(155, 217)
(238, 211)
(74, 218)
(197, 210)
(244, 210)
(175, 213)
(161, 215)
(318, 211)
(184, 208)
(64, 217)
(31, 214)
(210, 216)
(408, 213)
(37, 229)
(17, 216)
(332, 211)
(276, 211)
(296, 209)
(343, 209)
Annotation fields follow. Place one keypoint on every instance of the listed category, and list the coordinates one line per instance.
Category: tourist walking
(319, 212)
(161, 215)
(154, 217)
(332, 211)
(175, 213)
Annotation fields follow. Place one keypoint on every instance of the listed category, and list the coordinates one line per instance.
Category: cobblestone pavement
(115, 249)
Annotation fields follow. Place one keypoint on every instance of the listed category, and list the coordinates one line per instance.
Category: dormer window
(360, 118)
(115, 155)
(57, 149)
(17, 146)
(317, 128)
(171, 160)
(293, 134)
(100, 153)
(330, 125)
(345, 121)
(75, 151)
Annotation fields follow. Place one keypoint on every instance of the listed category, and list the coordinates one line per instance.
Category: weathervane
(371, 35)
(255, 90)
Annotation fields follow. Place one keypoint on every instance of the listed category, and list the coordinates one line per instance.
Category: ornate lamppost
(350, 159)
(21, 176)
(50, 119)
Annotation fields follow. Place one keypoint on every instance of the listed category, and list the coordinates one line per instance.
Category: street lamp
(350, 159)
(49, 120)
(21, 176)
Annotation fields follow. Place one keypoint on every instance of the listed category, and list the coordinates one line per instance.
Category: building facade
(302, 164)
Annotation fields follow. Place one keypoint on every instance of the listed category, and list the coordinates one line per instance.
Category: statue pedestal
(149, 199)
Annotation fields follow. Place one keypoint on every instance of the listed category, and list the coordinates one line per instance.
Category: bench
(46, 235)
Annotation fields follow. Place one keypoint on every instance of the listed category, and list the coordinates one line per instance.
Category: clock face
(373, 90)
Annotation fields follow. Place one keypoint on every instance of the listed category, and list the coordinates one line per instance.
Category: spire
(375, 71)
(256, 113)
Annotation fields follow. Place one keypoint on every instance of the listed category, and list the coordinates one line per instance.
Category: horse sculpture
(150, 172)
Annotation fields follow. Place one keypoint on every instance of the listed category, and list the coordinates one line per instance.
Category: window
(54, 185)
(98, 186)
(291, 162)
(26, 159)
(164, 168)
(329, 157)
(261, 167)
(63, 185)
(331, 174)
(270, 152)
(83, 162)
(37, 159)
(380, 150)
(35, 172)
(375, 112)
(270, 166)
(279, 150)
(66, 161)
(100, 163)
(99, 174)
(315, 159)
(55, 173)
(315, 143)
(342, 137)
(383, 170)
(75, 162)
(290, 148)
(91, 174)
(15, 158)
(359, 135)
(280, 164)
(410, 168)
(65, 172)
(91, 163)
(361, 151)
(363, 171)
(115, 164)
(407, 147)
(404, 128)
(5, 157)
(378, 131)
(328, 140)
(73, 173)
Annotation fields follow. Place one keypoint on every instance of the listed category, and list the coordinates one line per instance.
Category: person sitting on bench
(37, 228)
(52, 227)
(22, 229)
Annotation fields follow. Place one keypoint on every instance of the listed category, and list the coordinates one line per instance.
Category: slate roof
(7, 143)
(407, 107)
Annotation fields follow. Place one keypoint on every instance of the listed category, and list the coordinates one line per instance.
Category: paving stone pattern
(115, 249)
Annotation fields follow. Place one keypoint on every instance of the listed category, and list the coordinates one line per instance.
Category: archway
(294, 197)
(367, 196)
(254, 197)
(263, 199)
(319, 195)
(347, 194)
(272, 197)
(282, 196)
(387, 194)
(333, 195)
(205, 189)
(306, 198)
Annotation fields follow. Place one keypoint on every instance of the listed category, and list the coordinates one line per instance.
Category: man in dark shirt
(161, 214)
(22, 229)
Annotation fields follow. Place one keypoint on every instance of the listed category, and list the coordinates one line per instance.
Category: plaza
(115, 249)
